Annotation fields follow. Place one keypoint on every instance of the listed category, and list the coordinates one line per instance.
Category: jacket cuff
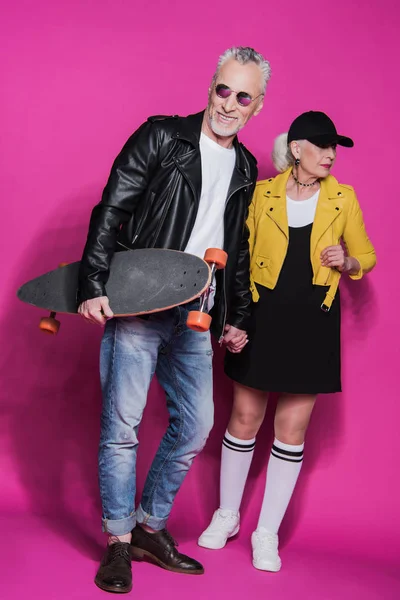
(91, 290)
(240, 322)
(360, 272)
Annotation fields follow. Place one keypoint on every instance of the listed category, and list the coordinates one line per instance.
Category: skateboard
(141, 282)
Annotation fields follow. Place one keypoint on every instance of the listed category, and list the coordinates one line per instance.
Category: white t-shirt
(301, 212)
(217, 164)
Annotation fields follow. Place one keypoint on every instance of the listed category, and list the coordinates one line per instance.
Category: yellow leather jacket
(338, 216)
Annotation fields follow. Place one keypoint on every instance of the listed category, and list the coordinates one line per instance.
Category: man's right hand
(96, 310)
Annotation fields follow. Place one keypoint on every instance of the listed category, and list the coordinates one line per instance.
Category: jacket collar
(328, 209)
(189, 129)
(330, 187)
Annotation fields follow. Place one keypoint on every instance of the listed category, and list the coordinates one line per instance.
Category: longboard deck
(140, 282)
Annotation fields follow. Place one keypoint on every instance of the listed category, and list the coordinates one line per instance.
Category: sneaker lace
(225, 521)
(267, 542)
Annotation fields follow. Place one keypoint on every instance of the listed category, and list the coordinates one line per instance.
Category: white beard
(223, 131)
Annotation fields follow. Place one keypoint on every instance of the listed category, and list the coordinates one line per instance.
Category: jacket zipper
(164, 213)
(329, 273)
(143, 218)
(123, 245)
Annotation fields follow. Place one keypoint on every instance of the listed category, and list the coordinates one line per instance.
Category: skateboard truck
(51, 324)
(200, 320)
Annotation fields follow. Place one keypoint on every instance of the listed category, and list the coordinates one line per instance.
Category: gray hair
(244, 55)
(282, 155)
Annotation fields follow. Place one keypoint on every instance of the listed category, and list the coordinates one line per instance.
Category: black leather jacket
(151, 201)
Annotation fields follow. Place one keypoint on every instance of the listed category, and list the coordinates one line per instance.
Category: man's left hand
(234, 339)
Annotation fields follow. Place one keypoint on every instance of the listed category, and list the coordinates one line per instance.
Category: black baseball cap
(317, 128)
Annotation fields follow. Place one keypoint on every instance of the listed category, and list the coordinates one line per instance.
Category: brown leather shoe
(160, 547)
(115, 571)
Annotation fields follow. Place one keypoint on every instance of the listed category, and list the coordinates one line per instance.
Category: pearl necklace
(304, 184)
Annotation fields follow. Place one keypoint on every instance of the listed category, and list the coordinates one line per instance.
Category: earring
(297, 162)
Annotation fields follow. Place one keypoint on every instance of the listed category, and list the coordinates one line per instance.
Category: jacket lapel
(275, 205)
(238, 181)
(241, 172)
(189, 163)
(329, 207)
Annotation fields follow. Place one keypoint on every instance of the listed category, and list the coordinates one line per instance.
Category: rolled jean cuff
(144, 518)
(120, 526)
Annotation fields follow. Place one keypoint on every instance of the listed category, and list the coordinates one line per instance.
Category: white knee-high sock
(283, 470)
(235, 464)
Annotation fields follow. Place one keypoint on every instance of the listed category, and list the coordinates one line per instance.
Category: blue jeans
(132, 350)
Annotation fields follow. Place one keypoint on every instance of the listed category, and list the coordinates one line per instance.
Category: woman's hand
(334, 258)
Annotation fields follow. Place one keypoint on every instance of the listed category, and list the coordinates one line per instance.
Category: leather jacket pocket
(262, 261)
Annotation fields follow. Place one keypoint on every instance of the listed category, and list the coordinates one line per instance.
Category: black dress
(294, 346)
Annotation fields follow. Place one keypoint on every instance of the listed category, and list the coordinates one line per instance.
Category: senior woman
(297, 221)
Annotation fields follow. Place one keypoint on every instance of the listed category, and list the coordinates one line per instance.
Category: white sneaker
(224, 524)
(265, 550)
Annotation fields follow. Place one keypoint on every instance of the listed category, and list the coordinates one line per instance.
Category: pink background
(77, 79)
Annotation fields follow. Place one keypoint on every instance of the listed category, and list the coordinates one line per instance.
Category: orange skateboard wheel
(64, 264)
(49, 325)
(198, 321)
(216, 256)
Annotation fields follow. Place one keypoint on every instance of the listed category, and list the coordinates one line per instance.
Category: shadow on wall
(52, 400)
(359, 307)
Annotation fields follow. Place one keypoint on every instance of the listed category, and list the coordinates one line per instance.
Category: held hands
(234, 339)
(96, 310)
(334, 257)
